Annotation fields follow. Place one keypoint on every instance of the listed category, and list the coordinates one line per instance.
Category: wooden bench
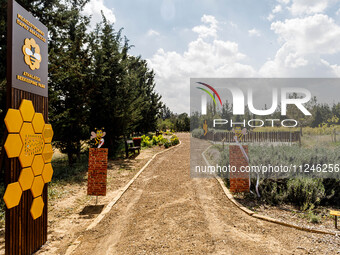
(131, 146)
(336, 214)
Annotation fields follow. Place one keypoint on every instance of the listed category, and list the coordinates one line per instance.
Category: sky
(183, 39)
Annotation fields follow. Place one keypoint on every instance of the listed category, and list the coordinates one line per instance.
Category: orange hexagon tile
(37, 186)
(12, 195)
(27, 110)
(26, 178)
(37, 207)
(47, 173)
(48, 133)
(47, 153)
(26, 132)
(38, 123)
(38, 165)
(13, 121)
(13, 145)
(25, 159)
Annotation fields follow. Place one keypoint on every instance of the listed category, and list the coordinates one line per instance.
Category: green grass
(62, 172)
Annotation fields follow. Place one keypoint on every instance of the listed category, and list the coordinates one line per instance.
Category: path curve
(167, 212)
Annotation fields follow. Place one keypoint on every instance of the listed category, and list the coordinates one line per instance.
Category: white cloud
(270, 17)
(254, 32)
(209, 29)
(277, 9)
(152, 32)
(94, 8)
(203, 58)
(283, 1)
(304, 41)
(300, 7)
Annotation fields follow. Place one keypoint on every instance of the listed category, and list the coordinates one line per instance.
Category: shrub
(306, 193)
(146, 141)
(174, 140)
(313, 218)
(197, 133)
(272, 192)
(167, 144)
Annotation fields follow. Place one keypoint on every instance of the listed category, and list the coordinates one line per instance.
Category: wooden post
(336, 221)
(23, 234)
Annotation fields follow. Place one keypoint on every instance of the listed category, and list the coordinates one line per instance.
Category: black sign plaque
(28, 42)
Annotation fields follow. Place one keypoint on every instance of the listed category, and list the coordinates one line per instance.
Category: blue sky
(215, 38)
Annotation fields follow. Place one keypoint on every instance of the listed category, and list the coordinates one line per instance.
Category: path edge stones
(259, 216)
(109, 206)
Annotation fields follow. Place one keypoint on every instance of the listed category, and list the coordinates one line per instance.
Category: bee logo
(98, 137)
(31, 51)
(239, 134)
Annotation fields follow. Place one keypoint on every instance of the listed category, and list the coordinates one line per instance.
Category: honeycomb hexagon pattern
(29, 139)
(26, 178)
(38, 123)
(13, 121)
(48, 133)
(13, 145)
(37, 207)
(27, 110)
(12, 195)
(38, 165)
(47, 173)
(47, 153)
(37, 186)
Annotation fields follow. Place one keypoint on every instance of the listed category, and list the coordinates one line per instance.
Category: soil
(70, 210)
(167, 212)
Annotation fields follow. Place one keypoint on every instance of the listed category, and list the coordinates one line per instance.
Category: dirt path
(167, 212)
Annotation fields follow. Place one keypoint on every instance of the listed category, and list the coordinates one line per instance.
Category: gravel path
(167, 212)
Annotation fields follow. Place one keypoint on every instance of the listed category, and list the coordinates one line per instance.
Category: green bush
(306, 193)
(197, 133)
(273, 192)
(146, 141)
(313, 218)
(174, 140)
(167, 144)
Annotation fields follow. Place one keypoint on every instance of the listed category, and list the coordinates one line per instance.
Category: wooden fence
(252, 137)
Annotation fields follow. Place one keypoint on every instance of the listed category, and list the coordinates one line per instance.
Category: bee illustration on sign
(98, 137)
(239, 133)
(31, 51)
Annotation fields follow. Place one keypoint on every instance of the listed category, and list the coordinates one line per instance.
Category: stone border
(259, 216)
(108, 208)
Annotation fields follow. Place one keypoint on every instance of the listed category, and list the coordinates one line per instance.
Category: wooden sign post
(27, 73)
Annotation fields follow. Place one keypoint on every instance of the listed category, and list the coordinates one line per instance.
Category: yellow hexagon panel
(38, 123)
(37, 207)
(12, 195)
(37, 186)
(13, 145)
(26, 178)
(47, 173)
(13, 121)
(32, 144)
(47, 153)
(48, 133)
(27, 110)
(38, 165)
(26, 131)
(25, 159)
